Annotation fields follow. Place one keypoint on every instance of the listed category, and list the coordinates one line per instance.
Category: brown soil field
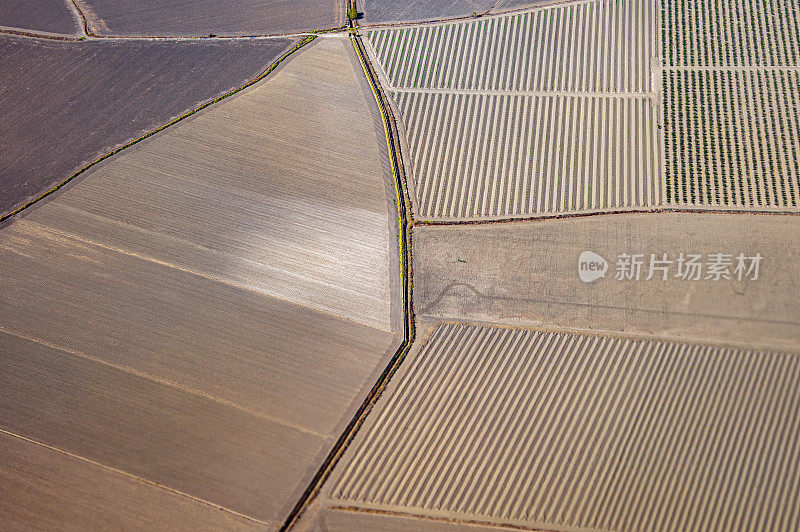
(83, 99)
(197, 317)
(503, 6)
(47, 489)
(527, 273)
(52, 16)
(560, 431)
(184, 441)
(204, 17)
(387, 11)
(202, 333)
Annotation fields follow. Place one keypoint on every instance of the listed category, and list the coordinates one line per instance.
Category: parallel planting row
(490, 155)
(547, 430)
(596, 46)
(733, 138)
(731, 32)
(540, 112)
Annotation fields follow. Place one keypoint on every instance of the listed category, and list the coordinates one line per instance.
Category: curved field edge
(404, 248)
(140, 138)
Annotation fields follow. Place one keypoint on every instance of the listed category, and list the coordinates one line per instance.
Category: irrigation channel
(404, 225)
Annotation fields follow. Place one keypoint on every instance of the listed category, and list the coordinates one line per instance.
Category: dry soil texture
(503, 6)
(527, 273)
(46, 489)
(388, 11)
(547, 111)
(206, 309)
(567, 431)
(204, 17)
(52, 16)
(82, 99)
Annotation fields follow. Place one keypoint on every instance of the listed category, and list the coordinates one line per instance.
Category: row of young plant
(586, 46)
(733, 137)
(731, 32)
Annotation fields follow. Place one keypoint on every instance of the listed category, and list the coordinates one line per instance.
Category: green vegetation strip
(258, 78)
(404, 247)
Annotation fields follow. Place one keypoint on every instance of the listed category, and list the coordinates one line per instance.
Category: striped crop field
(733, 138)
(731, 32)
(537, 113)
(500, 155)
(565, 431)
(598, 46)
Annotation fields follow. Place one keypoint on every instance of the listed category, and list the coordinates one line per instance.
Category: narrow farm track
(405, 224)
(59, 37)
(86, 32)
(80, 17)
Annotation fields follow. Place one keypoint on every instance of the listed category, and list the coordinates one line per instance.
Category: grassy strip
(404, 247)
(404, 221)
(395, 175)
(261, 76)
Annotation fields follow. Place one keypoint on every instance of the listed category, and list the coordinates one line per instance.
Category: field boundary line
(404, 246)
(149, 134)
(542, 217)
(611, 334)
(80, 18)
(731, 68)
(494, 92)
(22, 32)
(135, 477)
(424, 517)
(467, 18)
(202, 275)
(164, 382)
(34, 34)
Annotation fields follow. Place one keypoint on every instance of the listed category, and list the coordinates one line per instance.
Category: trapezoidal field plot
(85, 99)
(548, 111)
(560, 431)
(222, 290)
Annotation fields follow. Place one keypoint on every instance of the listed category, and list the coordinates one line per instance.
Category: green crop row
(731, 32)
(732, 138)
